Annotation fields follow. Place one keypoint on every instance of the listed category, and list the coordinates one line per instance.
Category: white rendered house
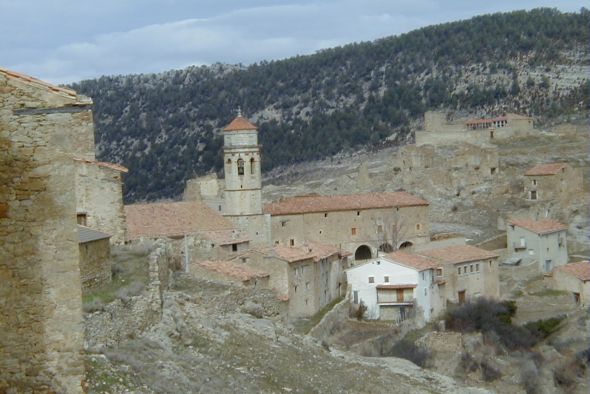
(396, 286)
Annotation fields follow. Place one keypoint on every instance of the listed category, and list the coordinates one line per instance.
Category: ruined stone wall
(41, 310)
(122, 319)
(95, 264)
(99, 194)
(207, 189)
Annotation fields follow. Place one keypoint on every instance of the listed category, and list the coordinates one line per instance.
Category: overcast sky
(68, 40)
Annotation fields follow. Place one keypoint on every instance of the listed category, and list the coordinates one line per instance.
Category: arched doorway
(386, 247)
(406, 245)
(363, 252)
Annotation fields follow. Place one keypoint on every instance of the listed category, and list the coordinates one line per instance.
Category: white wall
(539, 248)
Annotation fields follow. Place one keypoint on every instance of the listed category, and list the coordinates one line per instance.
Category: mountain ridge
(164, 127)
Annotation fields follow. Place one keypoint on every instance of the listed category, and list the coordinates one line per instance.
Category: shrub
(360, 311)
(408, 350)
(468, 364)
(544, 328)
(489, 372)
(489, 316)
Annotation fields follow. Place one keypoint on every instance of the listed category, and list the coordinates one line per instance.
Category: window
(534, 182)
(471, 268)
(292, 242)
(353, 231)
(418, 227)
(533, 195)
(371, 279)
(358, 213)
(459, 270)
(295, 288)
(477, 267)
(325, 215)
(355, 297)
(283, 223)
(379, 228)
(423, 275)
(234, 247)
(240, 167)
(219, 208)
(252, 166)
(81, 219)
(492, 170)
(386, 279)
(439, 272)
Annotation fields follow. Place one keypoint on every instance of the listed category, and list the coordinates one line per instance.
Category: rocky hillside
(164, 126)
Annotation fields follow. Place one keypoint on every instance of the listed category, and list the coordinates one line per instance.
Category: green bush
(544, 328)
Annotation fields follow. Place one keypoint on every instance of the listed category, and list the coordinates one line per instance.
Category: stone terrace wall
(41, 312)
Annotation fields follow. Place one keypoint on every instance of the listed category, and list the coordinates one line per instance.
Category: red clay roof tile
(412, 260)
(239, 123)
(580, 270)
(543, 226)
(349, 202)
(545, 169)
(456, 254)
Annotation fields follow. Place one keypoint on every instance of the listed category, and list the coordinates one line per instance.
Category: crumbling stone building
(552, 182)
(41, 308)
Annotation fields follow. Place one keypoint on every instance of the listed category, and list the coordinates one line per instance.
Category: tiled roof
(580, 270)
(402, 286)
(545, 169)
(315, 251)
(239, 123)
(172, 219)
(543, 226)
(456, 254)
(86, 234)
(349, 202)
(37, 82)
(224, 237)
(412, 260)
(232, 269)
(114, 166)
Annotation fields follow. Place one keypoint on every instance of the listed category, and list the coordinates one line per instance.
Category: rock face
(41, 311)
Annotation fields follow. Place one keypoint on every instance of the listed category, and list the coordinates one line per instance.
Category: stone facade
(99, 195)
(95, 264)
(554, 182)
(41, 309)
(439, 131)
(308, 276)
(573, 278)
(367, 229)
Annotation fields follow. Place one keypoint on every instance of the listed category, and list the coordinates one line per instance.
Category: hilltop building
(542, 241)
(439, 131)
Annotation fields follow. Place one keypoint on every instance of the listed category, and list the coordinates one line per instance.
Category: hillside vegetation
(164, 127)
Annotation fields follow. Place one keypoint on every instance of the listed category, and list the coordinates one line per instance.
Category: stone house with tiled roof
(307, 276)
(552, 182)
(543, 242)
(191, 227)
(361, 224)
(573, 278)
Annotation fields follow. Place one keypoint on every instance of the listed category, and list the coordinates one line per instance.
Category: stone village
(61, 211)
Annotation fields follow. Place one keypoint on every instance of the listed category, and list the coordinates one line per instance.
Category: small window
(477, 267)
(534, 182)
(295, 289)
(533, 195)
(283, 223)
(234, 247)
(492, 170)
(252, 166)
(418, 227)
(358, 213)
(459, 270)
(439, 272)
(240, 167)
(471, 268)
(219, 208)
(353, 231)
(379, 228)
(325, 215)
(371, 279)
(81, 218)
(386, 279)
(423, 277)
(292, 242)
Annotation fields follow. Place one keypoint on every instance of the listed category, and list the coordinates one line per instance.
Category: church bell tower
(241, 157)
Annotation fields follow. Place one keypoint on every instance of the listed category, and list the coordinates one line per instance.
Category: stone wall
(99, 194)
(95, 264)
(41, 309)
